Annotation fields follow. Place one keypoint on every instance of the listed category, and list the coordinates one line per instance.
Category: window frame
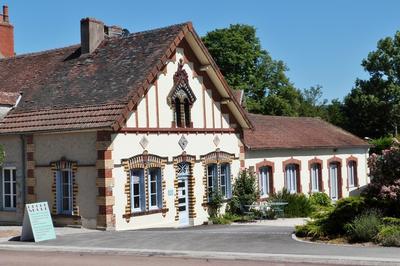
(12, 194)
(157, 180)
(141, 192)
(213, 176)
(265, 175)
(315, 178)
(352, 173)
(60, 192)
(293, 178)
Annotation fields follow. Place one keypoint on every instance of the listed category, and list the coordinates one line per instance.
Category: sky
(322, 42)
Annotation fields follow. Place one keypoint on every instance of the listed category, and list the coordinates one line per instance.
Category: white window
(333, 172)
(351, 173)
(64, 191)
(225, 180)
(264, 181)
(137, 190)
(154, 179)
(291, 176)
(9, 188)
(315, 177)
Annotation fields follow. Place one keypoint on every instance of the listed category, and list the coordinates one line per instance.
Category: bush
(391, 221)
(244, 193)
(298, 204)
(215, 203)
(314, 229)
(320, 199)
(389, 236)
(384, 188)
(380, 144)
(344, 212)
(364, 227)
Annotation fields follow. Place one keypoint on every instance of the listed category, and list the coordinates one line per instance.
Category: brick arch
(298, 171)
(311, 162)
(271, 165)
(337, 160)
(353, 159)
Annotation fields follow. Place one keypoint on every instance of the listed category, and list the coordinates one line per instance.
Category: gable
(208, 107)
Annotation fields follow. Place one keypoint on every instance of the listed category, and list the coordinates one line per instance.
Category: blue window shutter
(142, 190)
(58, 192)
(228, 181)
(1, 188)
(159, 189)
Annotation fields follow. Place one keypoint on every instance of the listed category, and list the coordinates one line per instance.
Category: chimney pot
(5, 14)
(92, 34)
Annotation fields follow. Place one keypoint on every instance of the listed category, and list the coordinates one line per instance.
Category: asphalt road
(18, 258)
(241, 240)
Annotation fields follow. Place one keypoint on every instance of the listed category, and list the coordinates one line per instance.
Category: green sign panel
(37, 225)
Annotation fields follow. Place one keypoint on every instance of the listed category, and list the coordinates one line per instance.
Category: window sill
(64, 216)
(142, 213)
(8, 210)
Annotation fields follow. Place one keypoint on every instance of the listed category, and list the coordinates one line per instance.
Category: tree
(245, 192)
(373, 106)
(246, 66)
(311, 104)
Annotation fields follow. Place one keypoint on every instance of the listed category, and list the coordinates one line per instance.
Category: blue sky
(322, 42)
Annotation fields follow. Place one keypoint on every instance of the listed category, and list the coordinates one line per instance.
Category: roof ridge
(54, 50)
(158, 29)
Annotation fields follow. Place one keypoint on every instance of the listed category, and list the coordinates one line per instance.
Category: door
(183, 199)
(333, 173)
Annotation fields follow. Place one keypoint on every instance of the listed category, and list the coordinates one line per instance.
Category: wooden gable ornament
(181, 88)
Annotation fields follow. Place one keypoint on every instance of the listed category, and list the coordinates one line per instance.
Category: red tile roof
(8, 98)
(280, 132)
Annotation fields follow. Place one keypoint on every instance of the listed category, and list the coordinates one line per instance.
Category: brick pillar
(241, 156)
(30, 166)
(105, 181)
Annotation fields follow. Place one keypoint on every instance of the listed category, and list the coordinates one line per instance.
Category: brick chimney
(92, 34)
(6, 35)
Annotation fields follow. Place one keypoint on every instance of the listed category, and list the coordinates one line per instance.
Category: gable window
(291, 178)
(9, 188)
(219, 180)
(315, 177)
(352, 173)
(265, 180)
(64, 191)
(181, 98)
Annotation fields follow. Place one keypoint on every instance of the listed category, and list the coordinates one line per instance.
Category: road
(19, 258)
(225, 242)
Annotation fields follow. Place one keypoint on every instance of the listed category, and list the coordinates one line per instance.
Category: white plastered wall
(278, 156)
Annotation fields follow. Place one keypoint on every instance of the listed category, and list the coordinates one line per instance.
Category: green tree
(311, 103)
(245, 192)
(373, 106)
(246, 66)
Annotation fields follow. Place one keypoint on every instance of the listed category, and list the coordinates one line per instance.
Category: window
(138, 191)
(315, 177)
(334, 180)
(225, 180)
(211, 178)
(265, 176)
(64, 191)
(178, 113)
(9, 188)
(291, 178)
(352, 173)
(154, 179)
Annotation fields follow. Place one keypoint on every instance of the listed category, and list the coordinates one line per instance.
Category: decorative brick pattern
(105, 181)
(144, 161)
(64, 164)
(31, 179)
(190, 159)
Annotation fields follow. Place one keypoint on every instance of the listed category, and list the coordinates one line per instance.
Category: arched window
(292, 176)
(187, 113)
(316, 177)
(352, 173)
(266, 183)
(181, 98)
(178, 113)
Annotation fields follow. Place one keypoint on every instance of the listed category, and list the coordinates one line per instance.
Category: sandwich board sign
(37, 224)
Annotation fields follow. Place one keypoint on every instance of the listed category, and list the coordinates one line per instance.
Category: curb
(282, 258)
(295, 238)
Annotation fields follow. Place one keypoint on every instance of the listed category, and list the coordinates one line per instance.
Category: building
(126, 131)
